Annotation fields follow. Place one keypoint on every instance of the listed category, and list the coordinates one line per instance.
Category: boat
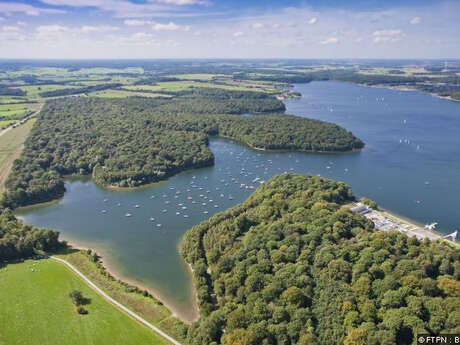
(152, 219)
(128, 215)
(136, 206)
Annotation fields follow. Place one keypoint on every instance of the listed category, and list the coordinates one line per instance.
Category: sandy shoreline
(112, 270)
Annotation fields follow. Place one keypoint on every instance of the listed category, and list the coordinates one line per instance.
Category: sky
(147, 29)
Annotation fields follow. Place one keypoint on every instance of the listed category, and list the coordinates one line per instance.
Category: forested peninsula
(138, 140)
(292, 265)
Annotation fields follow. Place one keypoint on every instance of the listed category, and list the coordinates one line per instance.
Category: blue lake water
(410, 165)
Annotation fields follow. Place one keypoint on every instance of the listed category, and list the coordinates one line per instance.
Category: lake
(410, 165)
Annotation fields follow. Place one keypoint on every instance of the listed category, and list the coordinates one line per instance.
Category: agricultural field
(35, 308)
(175, 86)
(5, 123)
(196, 76)
(33, 91)
(124, 94)
(16, 110)
(11, 146)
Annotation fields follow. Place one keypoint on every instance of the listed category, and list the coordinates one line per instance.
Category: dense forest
(18, 240)
(134, 141)
(218, 101)
(80, 90)
(292, 265)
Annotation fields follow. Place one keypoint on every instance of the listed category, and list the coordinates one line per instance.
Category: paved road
(120, 306)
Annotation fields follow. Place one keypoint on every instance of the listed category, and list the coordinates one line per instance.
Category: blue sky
(229, 29)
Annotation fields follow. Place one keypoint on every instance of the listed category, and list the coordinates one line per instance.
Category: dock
(385, 221)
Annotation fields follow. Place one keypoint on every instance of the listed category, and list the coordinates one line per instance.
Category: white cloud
(257, 26)
(136, 22)
(313, 20)
(166, 27)
(52, 28)
(383, 36)
(9, 28)
(141, 36)
(238, 34)
(11, 8)
(101, 28)
(330, 40)
(415, 20)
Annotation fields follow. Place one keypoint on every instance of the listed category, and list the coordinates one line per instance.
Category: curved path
(119, 305)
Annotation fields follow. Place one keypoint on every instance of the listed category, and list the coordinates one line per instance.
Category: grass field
(34, 90)
(5, 123)
(147, 307)
(123, 94)
(196, 76)
(35, 309)
(174, 86)
(10, 148)
(18, 109)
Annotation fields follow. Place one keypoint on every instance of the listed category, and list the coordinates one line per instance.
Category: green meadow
(35, 308)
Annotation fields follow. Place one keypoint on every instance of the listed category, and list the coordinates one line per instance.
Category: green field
(123, 94)
(197, 76)
(174, 86)
(6, 123)
(11, 146)
(18, 109)
(34, 90)
(35, 309)
(148, 308)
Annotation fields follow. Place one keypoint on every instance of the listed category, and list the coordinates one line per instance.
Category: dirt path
(115, 303)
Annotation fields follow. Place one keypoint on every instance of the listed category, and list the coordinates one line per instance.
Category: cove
(410, 166)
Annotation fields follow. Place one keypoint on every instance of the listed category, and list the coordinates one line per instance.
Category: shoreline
(409, 89)
(418, 226)
(112, 270)
(403, 224)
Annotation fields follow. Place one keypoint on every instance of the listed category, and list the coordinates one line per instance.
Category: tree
(76, 297)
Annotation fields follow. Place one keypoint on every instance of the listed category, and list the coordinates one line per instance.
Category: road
(115, 303)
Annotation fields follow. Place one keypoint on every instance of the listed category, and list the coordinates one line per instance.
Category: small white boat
(136, 206)
(128, 215)
(152, 219)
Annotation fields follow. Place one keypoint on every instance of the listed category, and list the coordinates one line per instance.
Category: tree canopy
(134, 141)
(292, 265)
